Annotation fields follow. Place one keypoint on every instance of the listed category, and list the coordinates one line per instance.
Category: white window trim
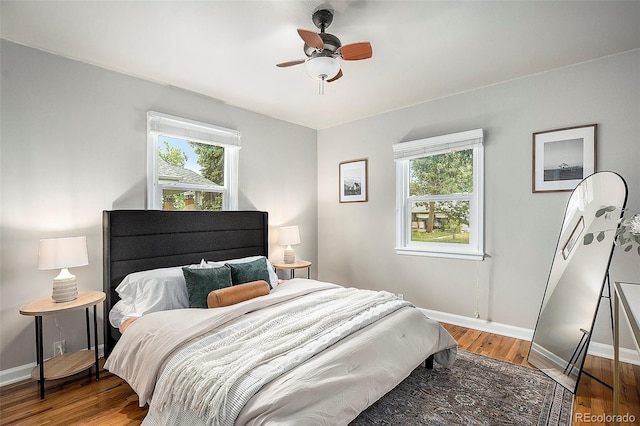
(405, 151)
(159, 124)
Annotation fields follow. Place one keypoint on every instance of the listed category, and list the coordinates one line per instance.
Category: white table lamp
(289, 235)
(63, 253)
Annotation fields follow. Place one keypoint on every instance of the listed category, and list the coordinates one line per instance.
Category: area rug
(475, 390)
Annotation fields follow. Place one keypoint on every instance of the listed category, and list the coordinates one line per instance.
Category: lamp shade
(58, 253)
(289, 235)
(322, 67)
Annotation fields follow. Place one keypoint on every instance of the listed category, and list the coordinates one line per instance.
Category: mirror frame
(570, 239)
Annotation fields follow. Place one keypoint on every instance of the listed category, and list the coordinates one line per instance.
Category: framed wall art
(353, 181)
(563, 157)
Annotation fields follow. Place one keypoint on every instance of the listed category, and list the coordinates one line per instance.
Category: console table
(627, 297)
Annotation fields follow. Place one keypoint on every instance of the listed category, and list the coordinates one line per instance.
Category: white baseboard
(16, 374)
(23, 372)
(630, 356)
(480, 324)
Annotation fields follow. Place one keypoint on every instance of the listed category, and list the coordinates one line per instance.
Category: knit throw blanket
(216, 376)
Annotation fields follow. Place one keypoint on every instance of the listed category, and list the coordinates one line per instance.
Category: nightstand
(72, 362)
(298, 264)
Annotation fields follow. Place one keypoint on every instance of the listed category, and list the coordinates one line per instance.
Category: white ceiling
(422, 50)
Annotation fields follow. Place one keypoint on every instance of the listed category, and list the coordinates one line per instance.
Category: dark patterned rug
(475, 390)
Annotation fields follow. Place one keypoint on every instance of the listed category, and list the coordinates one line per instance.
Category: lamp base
(64, 287)
(289, 255)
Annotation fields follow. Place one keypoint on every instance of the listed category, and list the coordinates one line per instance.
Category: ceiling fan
(323, 49)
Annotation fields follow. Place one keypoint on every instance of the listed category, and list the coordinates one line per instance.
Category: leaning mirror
(576, 279)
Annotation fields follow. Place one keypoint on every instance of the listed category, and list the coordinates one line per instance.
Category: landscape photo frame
(562, 158)
(353, 181)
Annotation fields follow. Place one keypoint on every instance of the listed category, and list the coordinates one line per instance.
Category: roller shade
(167, 125)
(436, 145)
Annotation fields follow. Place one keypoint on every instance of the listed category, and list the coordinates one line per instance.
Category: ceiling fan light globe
(322, 67)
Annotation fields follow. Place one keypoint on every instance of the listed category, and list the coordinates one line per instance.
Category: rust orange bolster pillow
(237, 293)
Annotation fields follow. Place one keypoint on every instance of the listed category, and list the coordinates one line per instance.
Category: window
(439, 196)
(191, 165)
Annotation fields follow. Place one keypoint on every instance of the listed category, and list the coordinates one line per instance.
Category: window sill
(416, 252)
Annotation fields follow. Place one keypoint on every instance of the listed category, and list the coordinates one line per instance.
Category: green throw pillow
(250, 271)
(201, 282)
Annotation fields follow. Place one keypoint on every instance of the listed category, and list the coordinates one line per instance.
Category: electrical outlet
(59, 348)
(400, 296)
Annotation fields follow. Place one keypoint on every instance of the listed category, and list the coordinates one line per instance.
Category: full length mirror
(576, 279)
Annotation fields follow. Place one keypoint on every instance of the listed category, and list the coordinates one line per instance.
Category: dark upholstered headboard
(139, 240)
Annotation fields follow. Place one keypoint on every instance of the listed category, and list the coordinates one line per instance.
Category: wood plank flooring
(111, 402)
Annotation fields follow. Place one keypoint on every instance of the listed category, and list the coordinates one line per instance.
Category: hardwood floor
(81, 400)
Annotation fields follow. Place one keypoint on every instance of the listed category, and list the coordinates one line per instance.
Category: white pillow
(273, 277)
(138, 286)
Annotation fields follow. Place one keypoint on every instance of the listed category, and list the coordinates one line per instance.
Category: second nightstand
(297, 264)
(72, 362)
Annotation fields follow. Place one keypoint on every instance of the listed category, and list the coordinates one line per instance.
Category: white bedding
(330, 388)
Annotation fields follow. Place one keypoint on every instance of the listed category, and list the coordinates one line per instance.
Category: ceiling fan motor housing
(331, 43)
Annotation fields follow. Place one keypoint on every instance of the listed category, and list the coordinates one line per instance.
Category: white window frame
(159, 124)
(406, 151)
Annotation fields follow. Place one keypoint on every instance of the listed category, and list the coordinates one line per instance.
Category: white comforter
(332, 387)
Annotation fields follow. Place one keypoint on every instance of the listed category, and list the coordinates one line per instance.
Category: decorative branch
(627, 232)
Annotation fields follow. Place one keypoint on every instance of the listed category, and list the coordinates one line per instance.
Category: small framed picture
(563, 157)
(353, 181)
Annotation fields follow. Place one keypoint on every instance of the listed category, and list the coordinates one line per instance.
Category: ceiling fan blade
(290, 63)
(311, 38)
(356, 51)
(336, 77)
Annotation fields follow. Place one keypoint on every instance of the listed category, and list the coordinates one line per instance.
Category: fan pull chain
(321, 85)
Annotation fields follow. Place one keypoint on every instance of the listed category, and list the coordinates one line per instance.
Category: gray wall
(74, 143)
(356, 243)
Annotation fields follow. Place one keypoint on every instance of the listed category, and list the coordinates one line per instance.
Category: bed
(304, 352)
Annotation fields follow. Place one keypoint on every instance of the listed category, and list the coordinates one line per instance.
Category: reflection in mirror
(576, 279)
